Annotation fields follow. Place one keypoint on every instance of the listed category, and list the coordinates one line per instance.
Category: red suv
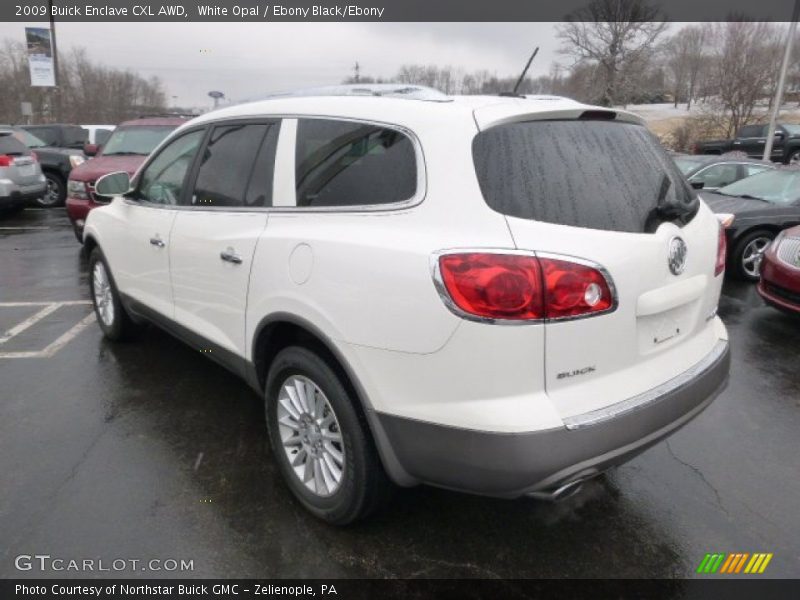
(125, 150)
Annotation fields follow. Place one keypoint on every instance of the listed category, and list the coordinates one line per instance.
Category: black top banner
(376, 10)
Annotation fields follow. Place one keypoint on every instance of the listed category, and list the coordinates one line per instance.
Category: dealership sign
(40, 56)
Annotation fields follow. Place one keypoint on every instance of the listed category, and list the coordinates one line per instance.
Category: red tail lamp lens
(518, 287)
(722, 251)
(494, 286)
(573, 289)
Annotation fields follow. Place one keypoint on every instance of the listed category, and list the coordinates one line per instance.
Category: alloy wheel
(311, 436)
(753, 254)
(103, 295)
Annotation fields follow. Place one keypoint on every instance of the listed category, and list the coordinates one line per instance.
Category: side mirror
(779, 134)
(113, 184)
(697, 185)
(91, 149)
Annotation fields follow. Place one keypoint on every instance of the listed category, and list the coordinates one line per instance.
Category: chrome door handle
(157, 242)
(230, 255)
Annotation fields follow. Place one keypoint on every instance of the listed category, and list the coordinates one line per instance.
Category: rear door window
(718, 175)
(346, 164)
(595, 174)
(227, 165)
(752, 131)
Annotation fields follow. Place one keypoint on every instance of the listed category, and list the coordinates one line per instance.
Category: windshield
(688, 164)
(27, 138)
(139, 139)
(778, 187)
(792, 129)
(539, 170)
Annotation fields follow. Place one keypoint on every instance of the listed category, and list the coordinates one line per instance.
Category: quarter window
(229, 164)
(162, 180)
(340, 163)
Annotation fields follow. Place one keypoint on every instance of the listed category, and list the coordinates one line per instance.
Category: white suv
(501, 295)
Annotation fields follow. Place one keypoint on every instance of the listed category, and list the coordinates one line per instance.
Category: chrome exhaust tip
(560, 493)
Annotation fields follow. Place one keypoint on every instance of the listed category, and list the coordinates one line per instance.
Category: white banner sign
(40, 56)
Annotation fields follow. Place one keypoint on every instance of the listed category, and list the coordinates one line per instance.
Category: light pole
(56, 99)
(776, 107)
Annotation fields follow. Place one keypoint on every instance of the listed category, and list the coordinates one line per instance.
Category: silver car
(21, 178)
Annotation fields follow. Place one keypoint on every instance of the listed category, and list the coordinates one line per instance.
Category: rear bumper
(515, 464)
(14, 195)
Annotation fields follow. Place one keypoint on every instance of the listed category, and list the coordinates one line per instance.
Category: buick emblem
(676, 258)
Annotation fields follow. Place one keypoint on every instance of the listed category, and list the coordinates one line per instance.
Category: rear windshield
(11, 146)
(596, 174)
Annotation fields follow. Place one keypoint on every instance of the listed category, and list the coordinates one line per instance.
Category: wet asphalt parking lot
(148, 450)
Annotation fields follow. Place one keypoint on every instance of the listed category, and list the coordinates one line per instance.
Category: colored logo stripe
(734, 562)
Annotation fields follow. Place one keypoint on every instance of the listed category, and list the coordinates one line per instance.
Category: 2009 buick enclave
(425, 288)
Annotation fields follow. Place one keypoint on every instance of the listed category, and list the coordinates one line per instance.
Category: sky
(247, 60)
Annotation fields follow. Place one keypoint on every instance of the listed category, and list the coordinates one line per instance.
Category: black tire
(737, 258)
(793, 156)
(56, 192)
(364, 486)
(120, 327)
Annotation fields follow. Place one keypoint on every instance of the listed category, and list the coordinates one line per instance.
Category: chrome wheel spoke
(333, 452)
(310, 436)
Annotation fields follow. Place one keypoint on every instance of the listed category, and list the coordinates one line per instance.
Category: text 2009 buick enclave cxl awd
(426, 289)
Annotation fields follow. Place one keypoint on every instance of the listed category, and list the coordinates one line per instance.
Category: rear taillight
(520, 287)
(722, 250)
(574, 290)
(6, 160)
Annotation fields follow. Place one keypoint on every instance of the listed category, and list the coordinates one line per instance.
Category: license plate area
(665, 329)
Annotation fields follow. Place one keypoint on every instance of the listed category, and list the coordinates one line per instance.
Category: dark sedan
(717, 171)
(753, 211)
(780, 272)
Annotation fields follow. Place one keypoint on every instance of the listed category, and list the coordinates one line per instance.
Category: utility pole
(56, 96)
(787, 55)
(356, 70)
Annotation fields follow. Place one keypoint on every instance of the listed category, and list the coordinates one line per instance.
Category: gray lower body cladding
(514, 464)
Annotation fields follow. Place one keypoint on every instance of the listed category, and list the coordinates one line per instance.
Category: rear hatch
(16, 161)
(602, 190)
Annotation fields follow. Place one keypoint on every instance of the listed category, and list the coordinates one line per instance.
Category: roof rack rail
(383, 90)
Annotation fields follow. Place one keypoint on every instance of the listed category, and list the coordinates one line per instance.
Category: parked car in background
(56, 165)
(751, 139)
(780, 272)
(753, 211)
(714, 172)
(98, 135)
(511, 331)
(21, 178)
(58, 135)
(125, 150)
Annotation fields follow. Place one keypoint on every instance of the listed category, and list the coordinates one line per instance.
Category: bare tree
(684, 57)
(614, 34)
(90, 92)
(743, 68)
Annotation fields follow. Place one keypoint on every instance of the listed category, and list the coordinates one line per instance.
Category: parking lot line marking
(32, 320)
(60, 342)
(61, 302)
(67, 337)
(40, 228)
